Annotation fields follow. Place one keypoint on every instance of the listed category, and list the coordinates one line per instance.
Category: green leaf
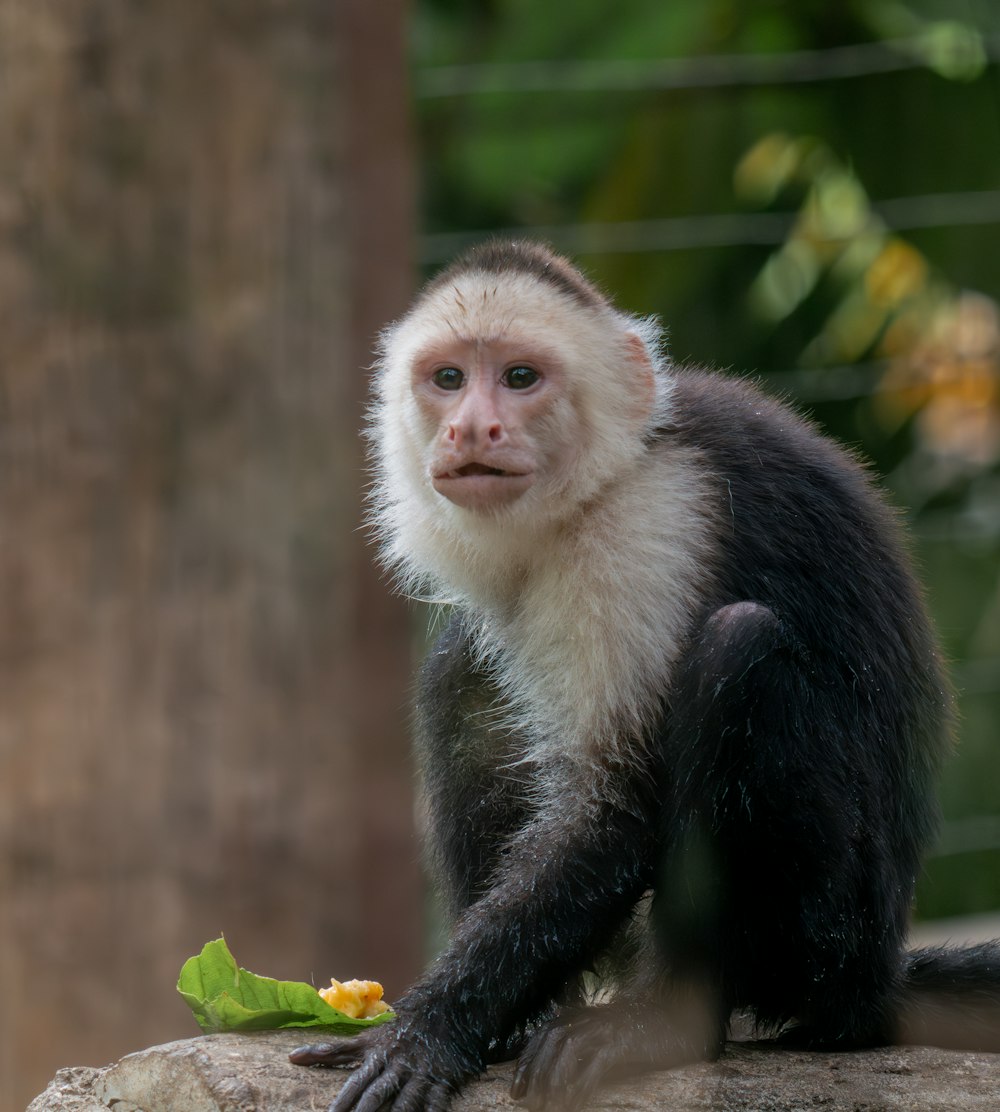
(225, 997)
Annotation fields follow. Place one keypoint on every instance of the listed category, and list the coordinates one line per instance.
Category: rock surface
(251, 1073)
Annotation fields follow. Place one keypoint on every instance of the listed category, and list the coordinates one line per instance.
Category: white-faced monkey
(683, 725)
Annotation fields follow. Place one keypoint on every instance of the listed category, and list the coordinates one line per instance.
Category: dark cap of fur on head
(502, 257)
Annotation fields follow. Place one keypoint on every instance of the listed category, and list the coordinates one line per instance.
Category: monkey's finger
(525, 1071)
(340, 1053)
(525, 1065)
(522, 1088)
(414, 1095)
(574, 1079)
(439, 1098)
(370, 1086)
(570, 1062)
(522, 1071)
(533, 1073)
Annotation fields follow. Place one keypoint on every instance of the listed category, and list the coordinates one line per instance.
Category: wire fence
(968, 835)
(957, 53)
(721, 230)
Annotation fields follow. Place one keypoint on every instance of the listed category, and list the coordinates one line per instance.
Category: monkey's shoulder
(765, 450)
(801, 523)
(724, 411)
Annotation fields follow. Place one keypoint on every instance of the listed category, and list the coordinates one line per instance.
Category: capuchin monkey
(678, 739)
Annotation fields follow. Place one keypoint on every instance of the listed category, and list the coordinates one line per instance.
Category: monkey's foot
(583, 1048)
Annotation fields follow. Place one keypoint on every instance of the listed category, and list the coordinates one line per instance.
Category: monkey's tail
(951, 997)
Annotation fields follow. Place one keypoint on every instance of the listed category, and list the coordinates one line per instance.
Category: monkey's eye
(520, 378)
(448, 378)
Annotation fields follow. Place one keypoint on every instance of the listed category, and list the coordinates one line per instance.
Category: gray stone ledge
(251, 1073)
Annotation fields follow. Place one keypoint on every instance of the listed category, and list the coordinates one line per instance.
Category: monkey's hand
(405, 1066)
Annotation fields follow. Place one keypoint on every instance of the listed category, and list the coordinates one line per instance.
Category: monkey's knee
(742, 622)
(733, 641)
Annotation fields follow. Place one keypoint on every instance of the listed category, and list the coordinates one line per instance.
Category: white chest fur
(585, 650)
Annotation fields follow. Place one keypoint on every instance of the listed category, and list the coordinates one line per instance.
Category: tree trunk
(202, 682)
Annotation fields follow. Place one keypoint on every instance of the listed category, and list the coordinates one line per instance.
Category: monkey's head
(509, 395)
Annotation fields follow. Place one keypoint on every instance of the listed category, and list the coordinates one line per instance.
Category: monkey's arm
(475, 780)
(566, 884)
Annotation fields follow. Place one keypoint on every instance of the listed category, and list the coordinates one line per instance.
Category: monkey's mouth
(481, 486)
(476, 469)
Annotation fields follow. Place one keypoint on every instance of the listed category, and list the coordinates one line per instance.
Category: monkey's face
(485, 402)
(507, 397)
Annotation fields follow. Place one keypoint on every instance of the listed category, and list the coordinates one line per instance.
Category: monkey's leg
(799, 802)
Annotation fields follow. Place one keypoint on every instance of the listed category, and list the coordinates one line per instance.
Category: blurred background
(207, 209)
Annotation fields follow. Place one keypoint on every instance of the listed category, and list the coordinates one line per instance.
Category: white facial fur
(583, 583)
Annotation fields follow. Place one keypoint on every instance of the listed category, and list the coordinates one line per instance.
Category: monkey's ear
(642, 382)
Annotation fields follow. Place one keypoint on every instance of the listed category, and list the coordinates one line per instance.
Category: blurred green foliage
(802, 190)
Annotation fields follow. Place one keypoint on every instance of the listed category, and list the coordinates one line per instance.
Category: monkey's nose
(460, 433)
